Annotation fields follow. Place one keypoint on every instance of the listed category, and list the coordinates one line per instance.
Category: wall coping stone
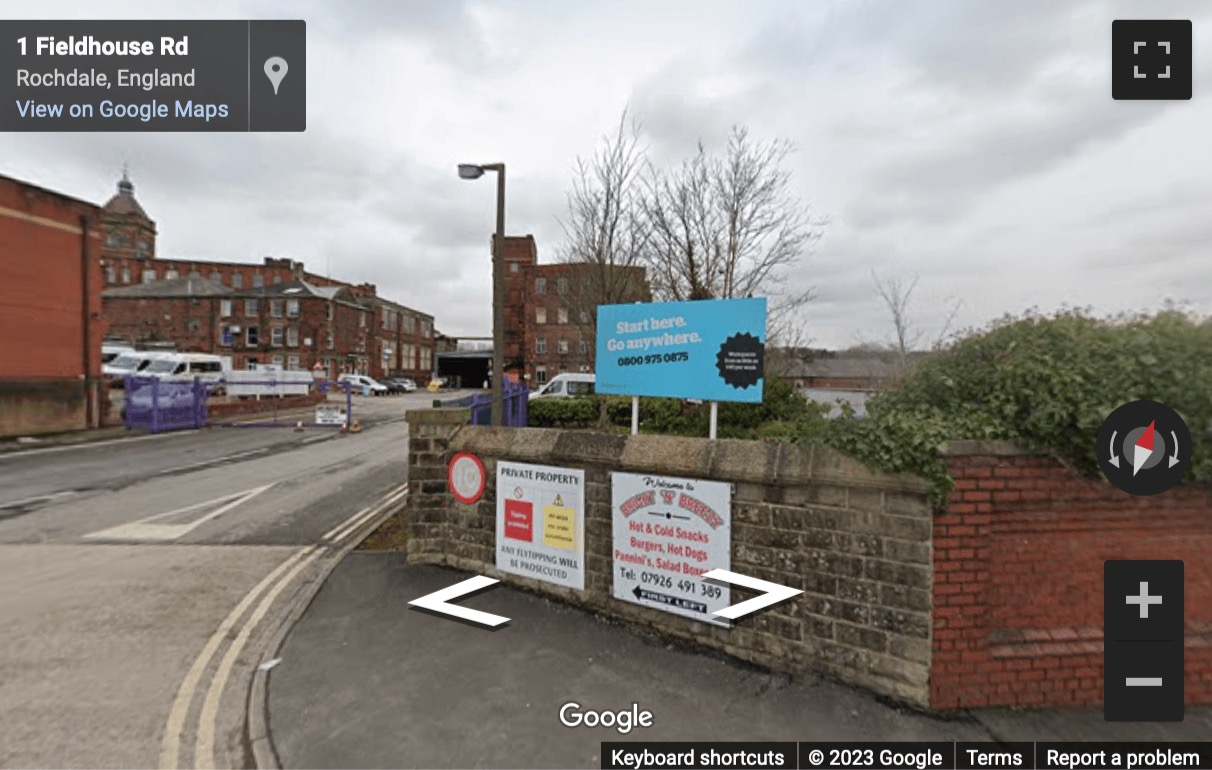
(987, 448)
(738, 460)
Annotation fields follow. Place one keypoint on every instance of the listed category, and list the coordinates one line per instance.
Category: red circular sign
(466, 477)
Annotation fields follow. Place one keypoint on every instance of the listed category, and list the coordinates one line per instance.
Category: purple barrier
(158, 406)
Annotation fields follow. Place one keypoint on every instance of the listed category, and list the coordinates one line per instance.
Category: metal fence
(159, 405)
(517, 396)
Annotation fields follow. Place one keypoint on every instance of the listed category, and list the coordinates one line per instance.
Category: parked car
(567, 385)
(367, 385)
(400, 385)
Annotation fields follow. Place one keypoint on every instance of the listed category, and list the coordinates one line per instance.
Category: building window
(562, 347)
(275, 308)
(277, 280)
(110, 274)
(144, 247)
(540, 374)
(252, 308)
(252, 337)
(513, 267)
(194, 274)
(216, 276)
(292, 337)
(170, 274)
(540, 315)
(277, 361)
(226, 338)
(149, 275)
(237, 280)
(426, 329)
(540, 285)
(328, 340)
(362, 320)
(330, 311)
(292, 363)
(562, 315)
(561, 285)
(111, 240)
(540, 345)
(584, 316)
(426, 360)
(276, 335)
(292, 308)
(225, 308)
(126, 275)
(258, 281)
(194, 325)
(582, 347)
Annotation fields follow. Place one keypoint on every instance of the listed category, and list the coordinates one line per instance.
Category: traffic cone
(299, 426)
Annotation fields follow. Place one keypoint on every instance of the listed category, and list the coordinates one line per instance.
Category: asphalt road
(141, 574)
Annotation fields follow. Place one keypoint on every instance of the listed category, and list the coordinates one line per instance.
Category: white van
(111, 350)
(131, 362)
(367, 385)
(187, 366)
(566, 385)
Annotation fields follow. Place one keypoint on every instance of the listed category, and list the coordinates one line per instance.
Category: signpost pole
(635, 415)
(714, 418)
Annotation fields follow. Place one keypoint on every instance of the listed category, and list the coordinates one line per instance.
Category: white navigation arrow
(1174, 457)
(773, 593)
(1114, 455)
(1140, 456)
(439, 602)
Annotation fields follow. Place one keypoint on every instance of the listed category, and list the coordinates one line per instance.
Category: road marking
(204, 746)
(144, 530)
(215, 461)
(361, 517)
(171, 744)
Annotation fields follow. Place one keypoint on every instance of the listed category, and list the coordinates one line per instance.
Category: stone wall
(856, 541)
(1018, 588)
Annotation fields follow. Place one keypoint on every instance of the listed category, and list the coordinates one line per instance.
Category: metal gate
(158, 406)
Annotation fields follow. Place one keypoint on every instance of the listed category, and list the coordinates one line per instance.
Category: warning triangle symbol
(559, 503)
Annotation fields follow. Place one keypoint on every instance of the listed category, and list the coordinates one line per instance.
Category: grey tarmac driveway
(365, 682)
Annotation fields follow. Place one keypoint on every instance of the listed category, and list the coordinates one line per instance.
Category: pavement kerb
(257, 734)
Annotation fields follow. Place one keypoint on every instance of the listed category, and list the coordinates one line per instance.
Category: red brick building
(50, 311)
(371, 335)
(551, 311)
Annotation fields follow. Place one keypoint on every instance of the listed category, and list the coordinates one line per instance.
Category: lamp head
(470, 171)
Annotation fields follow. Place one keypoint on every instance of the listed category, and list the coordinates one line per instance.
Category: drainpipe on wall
(90, 410)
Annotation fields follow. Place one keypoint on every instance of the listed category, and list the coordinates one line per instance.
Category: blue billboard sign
(711, 349)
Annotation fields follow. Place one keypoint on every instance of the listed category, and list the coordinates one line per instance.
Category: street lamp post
(473, 171)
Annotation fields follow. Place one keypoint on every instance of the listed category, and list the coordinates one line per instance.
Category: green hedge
(1047, 383)
(778, 416)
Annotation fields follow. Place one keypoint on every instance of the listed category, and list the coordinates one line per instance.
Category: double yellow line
(267, 591)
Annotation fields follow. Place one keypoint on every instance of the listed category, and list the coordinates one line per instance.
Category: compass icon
(1144, 447)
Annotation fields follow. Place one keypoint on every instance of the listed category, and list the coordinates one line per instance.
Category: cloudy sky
(974, 144)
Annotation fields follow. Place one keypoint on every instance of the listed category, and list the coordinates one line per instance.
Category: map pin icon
(275, 70)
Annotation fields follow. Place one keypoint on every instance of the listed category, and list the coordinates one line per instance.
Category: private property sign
(541, 523)
(712, 350)
(667, 532)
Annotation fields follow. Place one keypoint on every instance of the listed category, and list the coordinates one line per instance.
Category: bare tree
(897, 294)
(724, 227)
(606, 233)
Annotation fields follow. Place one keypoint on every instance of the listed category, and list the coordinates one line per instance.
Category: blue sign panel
(712, 349)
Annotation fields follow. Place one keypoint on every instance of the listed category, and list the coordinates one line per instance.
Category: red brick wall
(44, 312)
(1018, 569)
